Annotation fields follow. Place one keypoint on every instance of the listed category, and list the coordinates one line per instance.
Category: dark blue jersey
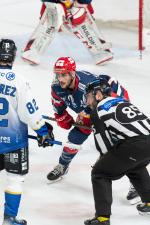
(75, 100)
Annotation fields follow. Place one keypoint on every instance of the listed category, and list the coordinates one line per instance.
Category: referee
(122, 135)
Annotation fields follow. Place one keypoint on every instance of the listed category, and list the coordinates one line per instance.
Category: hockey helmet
(64, 65)
(98, 84)
(7, 50)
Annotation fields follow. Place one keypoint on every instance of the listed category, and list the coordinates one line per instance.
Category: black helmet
(98, 84)
(7, 51)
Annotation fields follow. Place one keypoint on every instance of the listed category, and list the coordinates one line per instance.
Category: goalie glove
(44, 135)
(76, 15)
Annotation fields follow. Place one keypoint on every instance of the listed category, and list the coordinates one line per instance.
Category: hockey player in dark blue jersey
(67, 91)
(18, 108)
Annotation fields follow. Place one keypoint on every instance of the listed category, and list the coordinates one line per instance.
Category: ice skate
(57, 173)
(31, 56)
(143, 208)
(133, 196)
(10, 220)
(97, 221)
(103, 57)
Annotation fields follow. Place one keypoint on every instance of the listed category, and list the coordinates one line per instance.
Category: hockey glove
(84, 119)
(64, 120)
(44, 135)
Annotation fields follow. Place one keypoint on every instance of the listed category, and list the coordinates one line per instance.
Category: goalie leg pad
(55, 14)
(90, 8)
(90, 36)
(44, 33)
(42, 10)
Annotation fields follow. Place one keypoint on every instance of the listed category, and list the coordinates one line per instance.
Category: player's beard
(67, 86)
(94, 104)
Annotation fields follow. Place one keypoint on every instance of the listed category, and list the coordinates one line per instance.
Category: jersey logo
(2, 74)
(110, 103)
(10, 76)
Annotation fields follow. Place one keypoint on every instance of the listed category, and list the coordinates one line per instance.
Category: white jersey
(17, 109)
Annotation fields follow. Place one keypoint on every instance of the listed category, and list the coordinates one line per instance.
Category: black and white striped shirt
(116, 119)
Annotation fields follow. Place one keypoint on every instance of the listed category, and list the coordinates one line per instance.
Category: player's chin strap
(66, 144)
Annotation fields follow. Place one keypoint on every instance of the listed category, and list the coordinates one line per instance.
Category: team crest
(10, 76)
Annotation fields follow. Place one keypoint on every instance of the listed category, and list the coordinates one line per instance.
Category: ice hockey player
(76, 17)
(123, 134)
(67, 91)
(18, 108)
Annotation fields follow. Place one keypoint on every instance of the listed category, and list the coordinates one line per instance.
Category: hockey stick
(69, 145)
(74, 124)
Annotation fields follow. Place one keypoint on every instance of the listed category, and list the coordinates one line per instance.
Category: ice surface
(70, 201)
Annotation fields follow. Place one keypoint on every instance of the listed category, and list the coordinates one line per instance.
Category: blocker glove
(64, 120)
(44, 135)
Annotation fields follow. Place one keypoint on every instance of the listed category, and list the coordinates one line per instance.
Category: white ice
(70, 201)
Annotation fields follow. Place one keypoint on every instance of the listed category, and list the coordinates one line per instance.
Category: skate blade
(54, 181)
(135, 200)
(144, 213)
(105, 61)
(30, 61)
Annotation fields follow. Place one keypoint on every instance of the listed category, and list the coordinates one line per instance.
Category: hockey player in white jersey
(17, 109)
(76, 16)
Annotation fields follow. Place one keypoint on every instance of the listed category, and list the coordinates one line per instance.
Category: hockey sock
(12, 201)
(67, 155)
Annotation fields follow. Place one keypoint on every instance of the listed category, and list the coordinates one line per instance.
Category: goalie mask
(7, 51)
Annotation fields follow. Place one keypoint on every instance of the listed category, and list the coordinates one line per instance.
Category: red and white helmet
(64, 65)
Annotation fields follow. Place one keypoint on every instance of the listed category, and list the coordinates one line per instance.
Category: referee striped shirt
(116, 119)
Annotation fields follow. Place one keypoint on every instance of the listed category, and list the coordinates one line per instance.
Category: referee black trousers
(130, 158)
